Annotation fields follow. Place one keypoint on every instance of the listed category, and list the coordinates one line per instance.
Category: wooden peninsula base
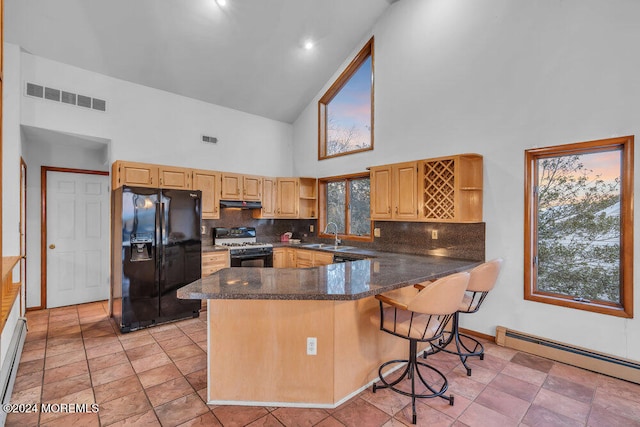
(258, 351)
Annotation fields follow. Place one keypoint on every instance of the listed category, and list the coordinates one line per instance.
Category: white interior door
(77, 238)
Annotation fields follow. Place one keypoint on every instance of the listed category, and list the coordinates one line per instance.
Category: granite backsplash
(455, 240)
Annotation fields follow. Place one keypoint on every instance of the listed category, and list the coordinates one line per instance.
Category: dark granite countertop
(342, 281)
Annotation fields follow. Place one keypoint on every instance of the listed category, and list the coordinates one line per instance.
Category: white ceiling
(248, 56)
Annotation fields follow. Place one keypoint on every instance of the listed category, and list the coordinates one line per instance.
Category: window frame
(322, 202)
(341, 81)
(531, 293)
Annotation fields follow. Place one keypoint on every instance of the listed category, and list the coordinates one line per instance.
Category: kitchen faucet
(335, 226)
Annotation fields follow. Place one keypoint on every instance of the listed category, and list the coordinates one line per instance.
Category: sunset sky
(351, 107)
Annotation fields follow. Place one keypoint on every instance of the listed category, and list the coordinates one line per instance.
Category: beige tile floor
(157, 376)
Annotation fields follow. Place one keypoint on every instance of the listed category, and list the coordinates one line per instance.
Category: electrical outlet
(311, 228)
(312, 346)
(376, 232)
(434, 234)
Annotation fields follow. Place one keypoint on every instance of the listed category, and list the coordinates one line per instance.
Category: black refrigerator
(156, 249)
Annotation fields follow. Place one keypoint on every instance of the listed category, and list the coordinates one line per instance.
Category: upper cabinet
(268, 199)
(252, 187)
(308, 198)
(394, 191)
(444, 189)
(287, 198)
(451, 188)
(231, 186)
(172, 177)
(208, 182)
(134, 174)
(241, 187)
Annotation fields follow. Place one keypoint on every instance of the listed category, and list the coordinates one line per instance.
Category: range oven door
(252, 260)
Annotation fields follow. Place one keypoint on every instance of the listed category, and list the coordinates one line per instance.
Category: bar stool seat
(419, 318)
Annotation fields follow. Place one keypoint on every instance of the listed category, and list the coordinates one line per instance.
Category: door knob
(52, 246)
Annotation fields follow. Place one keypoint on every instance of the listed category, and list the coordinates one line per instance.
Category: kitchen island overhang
(259, 321)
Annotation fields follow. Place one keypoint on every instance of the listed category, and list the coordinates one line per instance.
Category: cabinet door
(231, 186)
(381, 192)
(405, 190)
(252, 187)
(268, 199)
(209, 183)
(212, 262)
(134, 174)
(172, 177)
(287, 198)
(304, 259)
(279, 257)
(322, 258)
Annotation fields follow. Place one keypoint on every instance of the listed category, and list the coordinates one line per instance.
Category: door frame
(43, 223)
(23, 235)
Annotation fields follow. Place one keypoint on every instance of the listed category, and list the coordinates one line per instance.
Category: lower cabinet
(300, 258)
(214, 261)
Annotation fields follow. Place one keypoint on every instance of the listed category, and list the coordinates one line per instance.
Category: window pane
(349, 114)
(578, 225)
(336, 202)
(360, 224)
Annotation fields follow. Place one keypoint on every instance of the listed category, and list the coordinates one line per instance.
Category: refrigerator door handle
(163, 234)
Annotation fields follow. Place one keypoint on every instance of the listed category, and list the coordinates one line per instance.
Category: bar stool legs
(472, 348)
(412, 372)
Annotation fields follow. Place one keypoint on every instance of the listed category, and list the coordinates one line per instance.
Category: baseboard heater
(571, 355)
(10, 365)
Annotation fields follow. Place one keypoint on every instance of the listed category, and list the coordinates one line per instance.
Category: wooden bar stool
(481, 281)
(420, 318)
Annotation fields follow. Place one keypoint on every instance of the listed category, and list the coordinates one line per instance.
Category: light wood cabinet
(214, 261)
(306, 258)
(287, 198)
(451, 188)
(394, 191)
(134, 174)
(241, 187)
(269, 201)
(284, 257)
(308, 198)
(231, 187)
(252, 187)
(174, 177)
(208, 182)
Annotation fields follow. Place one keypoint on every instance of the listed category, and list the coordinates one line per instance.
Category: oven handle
(253, 256)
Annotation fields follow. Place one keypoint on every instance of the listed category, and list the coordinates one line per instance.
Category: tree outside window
(345, 202)
(345, 111)
(579, 226)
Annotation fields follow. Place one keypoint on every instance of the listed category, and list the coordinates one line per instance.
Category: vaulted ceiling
(248, 55)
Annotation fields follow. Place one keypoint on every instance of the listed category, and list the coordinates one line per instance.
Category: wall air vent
(209, 139)
(57, 95)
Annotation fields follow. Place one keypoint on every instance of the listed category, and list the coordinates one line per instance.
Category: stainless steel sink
(325, 246)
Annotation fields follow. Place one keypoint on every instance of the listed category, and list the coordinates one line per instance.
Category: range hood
(240, 204)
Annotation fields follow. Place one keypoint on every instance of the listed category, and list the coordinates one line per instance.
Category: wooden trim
(625, 145)
(43, 223)
(366, 52)
(476, 334)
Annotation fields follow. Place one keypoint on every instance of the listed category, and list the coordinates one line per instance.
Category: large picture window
(579, 226)
(345, 111)
(344, 201)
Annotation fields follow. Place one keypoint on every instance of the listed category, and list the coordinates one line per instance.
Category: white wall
(497, 77)
(140, 124)
(153, 126)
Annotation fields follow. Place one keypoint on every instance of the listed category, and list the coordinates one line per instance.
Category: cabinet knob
(52, 246)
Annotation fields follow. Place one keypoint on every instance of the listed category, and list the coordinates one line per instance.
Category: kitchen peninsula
(261, 320)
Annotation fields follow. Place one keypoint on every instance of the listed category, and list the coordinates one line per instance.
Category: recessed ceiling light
(308, 45)
(221, 3)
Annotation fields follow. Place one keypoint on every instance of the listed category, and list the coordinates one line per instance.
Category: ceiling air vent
(39, 91)
(209, 139)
